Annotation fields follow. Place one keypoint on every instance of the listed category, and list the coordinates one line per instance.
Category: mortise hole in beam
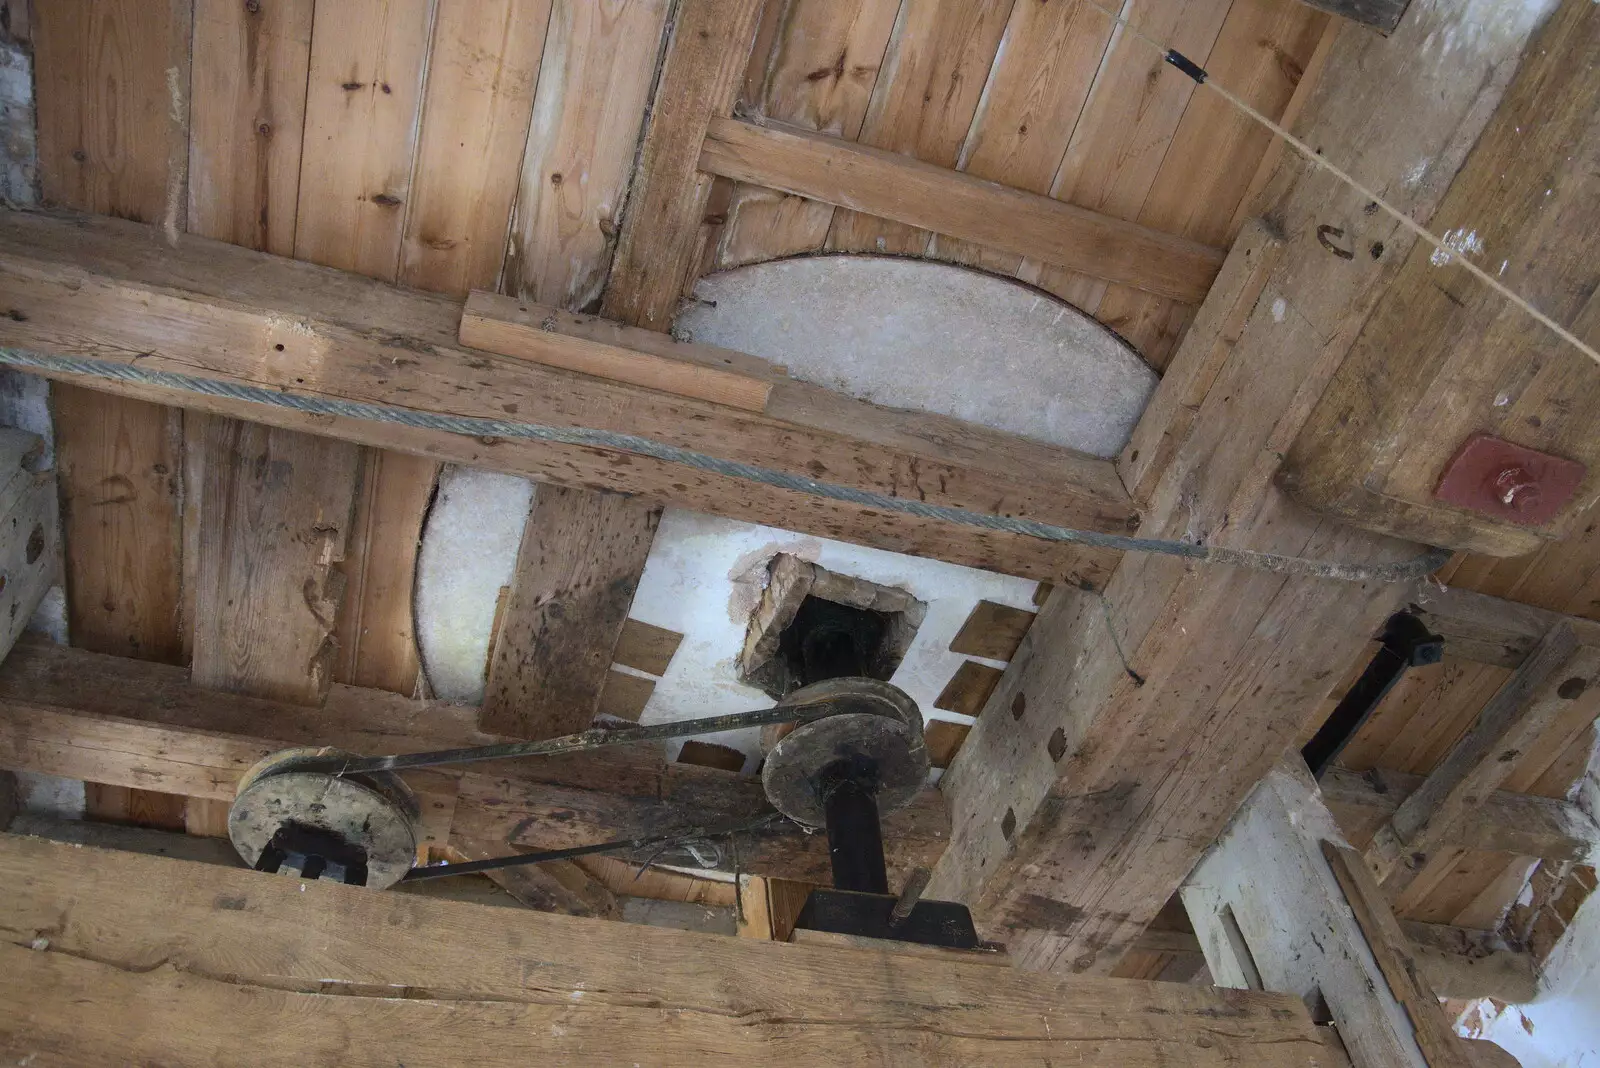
(1019, 705)
(1572, 689)
(35, 548)
(1058, 744)
(1008, 826)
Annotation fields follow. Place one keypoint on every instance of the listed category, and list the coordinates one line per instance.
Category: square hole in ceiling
(811, 618)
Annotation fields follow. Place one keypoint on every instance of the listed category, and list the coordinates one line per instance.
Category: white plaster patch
(931, 337)
(1280, 308)
(469, 550)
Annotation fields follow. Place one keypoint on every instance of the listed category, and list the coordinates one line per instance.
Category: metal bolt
(1516, 488)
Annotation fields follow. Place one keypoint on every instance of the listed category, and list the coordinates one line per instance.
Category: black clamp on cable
(1187, 65)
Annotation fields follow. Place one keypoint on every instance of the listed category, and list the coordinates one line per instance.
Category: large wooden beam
(118, 721)
(700, 76)
(1128, 730)
(578, 566)
(1544, 827)
(439, 982)
(1557, 672)
(1444, 357)
(98, 287)
(893, 186)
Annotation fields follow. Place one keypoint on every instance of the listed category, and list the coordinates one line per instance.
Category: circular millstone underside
(376, 811)
(872, 720)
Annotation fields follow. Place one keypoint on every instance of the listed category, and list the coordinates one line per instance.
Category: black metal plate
(931, 923)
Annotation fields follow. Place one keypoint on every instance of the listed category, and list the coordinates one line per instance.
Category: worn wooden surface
(30, 533)
(580, 560)
(275, 511)
(1444, 357)
(659, 242)
(89, 999)
(887, 185)
(515, 328)
(405, 355)
(1229, 663)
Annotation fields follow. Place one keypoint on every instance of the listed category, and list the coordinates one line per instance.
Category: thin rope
(476, 427)
(1203, 79)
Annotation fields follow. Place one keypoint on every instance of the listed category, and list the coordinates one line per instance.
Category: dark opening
(828, 640)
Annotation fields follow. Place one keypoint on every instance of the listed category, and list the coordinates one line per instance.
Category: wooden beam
(1490, 630)
(1544, 827)
(1390, 947)
(579, 563)
(1558, 671)
(556, 886)
(1264, 903)
(1129, 729)
(893, 186)
(517, 328)
(700, 77)
(108, 719)
(274, 517)
(243, 952)
(98, 287)
(1465, 964)
(1443, 357)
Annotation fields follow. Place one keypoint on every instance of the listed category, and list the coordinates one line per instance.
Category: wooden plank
(1443, 357)
(375, 638)
(646, 648)
(368, 59)
(106, 719)
(944, 741)
(79, 998)
(512, 328)
(1042, 77)
(339, 332)
(482, 70)
(594, 89)
(700, 77)
(113, 91)
(275, 509)
(711, 755)
(888, 185)
(1261, 51)
(1557, 672)
(818, 74)
(1392, 951)
(1490, 630)
(992, 631)
(968, 689)
(246, 121)
(1169, 699)
(579, 562)
(1549, 828)
(625, 696)
(927, 92)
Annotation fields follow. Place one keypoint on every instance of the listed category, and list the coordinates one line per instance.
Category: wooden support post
(579, 563)
(244, 952)
(700, 78)
(1558, 671)
(1128, 730)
